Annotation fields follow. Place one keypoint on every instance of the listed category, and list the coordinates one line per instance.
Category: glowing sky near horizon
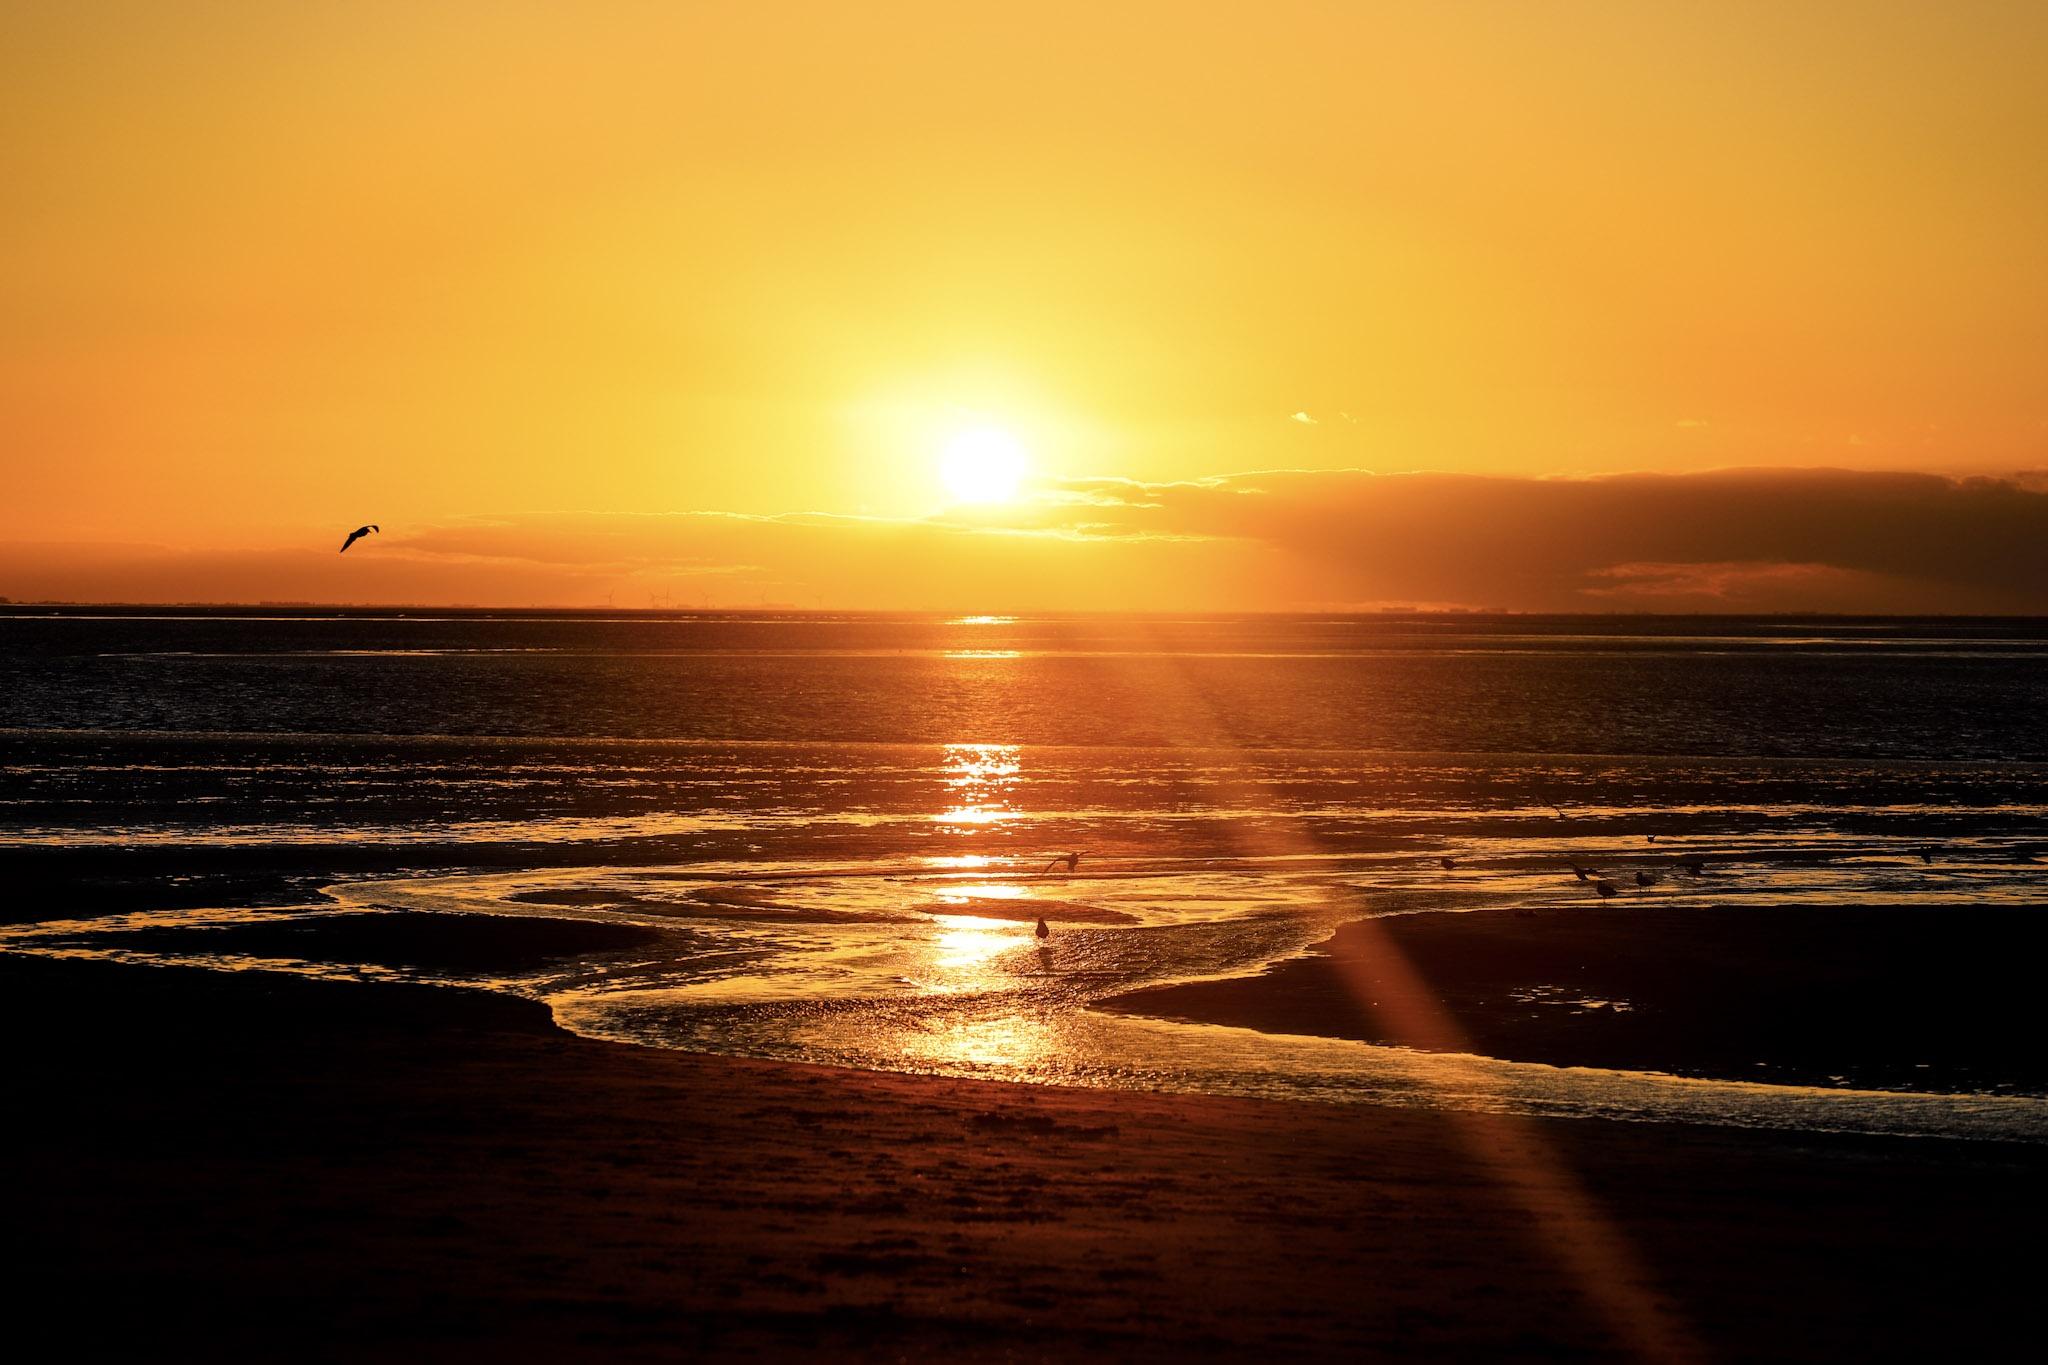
(269, 271)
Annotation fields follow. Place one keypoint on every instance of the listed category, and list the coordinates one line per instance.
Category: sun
(983, 464)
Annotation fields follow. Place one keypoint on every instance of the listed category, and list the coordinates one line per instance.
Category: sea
(832, 838)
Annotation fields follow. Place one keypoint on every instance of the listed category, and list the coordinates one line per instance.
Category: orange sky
(270, 271)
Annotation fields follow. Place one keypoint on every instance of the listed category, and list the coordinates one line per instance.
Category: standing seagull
(354, 536)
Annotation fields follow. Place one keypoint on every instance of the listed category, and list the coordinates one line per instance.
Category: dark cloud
(1733, 540)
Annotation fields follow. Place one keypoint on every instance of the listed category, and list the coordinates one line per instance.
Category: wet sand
(1941, 998)
(216, 1166)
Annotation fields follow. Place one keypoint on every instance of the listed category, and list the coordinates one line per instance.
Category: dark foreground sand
(209, 1167)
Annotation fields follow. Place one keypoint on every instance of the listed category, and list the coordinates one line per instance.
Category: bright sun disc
(982, 464)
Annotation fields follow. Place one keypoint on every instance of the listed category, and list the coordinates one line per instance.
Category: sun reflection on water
(984, 891)
(1018, 1043)
(980, 781)
(972, 815)
(962, 955)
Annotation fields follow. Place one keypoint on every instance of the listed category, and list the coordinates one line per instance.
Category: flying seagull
(354, 536)
(1072, 860)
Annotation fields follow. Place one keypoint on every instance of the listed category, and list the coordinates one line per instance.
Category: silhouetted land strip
(221, 1167)
(1895, 997)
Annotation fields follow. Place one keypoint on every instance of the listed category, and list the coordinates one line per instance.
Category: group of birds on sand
(1644, 877)
(1693, 864)
(1696, 865)
(1600, 882)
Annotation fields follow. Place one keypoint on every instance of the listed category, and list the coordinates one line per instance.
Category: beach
(1059, 683)
(347, 1171)
(581, 995)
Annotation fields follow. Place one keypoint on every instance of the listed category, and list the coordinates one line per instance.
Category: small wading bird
(1072, 860)
(1646, 878)
(1696, 866)
(1041, 930)
(1606, 888)
(354, 536)
(1447, 862)
(1582, 872)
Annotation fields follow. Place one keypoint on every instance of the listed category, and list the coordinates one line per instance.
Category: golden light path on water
(929, 963)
